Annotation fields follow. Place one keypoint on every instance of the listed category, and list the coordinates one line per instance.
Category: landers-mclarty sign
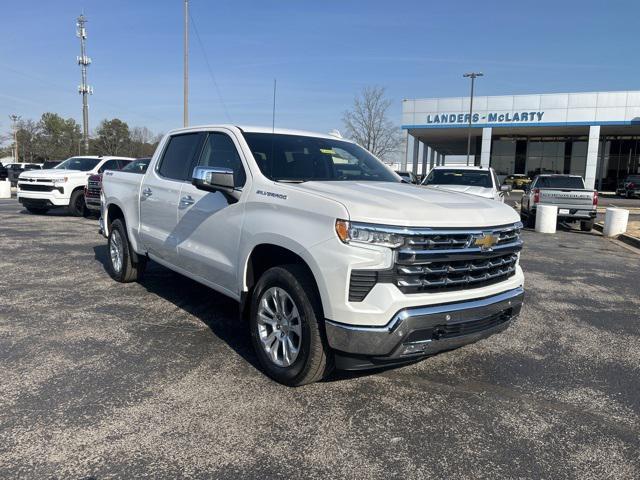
(463, 118)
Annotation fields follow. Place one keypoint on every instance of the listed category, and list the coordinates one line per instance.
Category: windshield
(470, 178)
(560, 182)
(137, 166)
(78, 163)
(297, 158)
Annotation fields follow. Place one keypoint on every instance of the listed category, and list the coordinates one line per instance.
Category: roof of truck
(257, 129)
(460, 167)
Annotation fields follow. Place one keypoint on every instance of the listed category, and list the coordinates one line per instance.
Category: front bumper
(419, 331)
(92, 203)
(51, 199)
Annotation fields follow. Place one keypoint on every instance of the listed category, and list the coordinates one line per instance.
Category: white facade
(442, 124)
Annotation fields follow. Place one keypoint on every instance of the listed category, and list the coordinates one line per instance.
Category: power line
(213, 77)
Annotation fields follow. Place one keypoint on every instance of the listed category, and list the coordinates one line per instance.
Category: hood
(471, 190)
(403, 204)
(51, 172)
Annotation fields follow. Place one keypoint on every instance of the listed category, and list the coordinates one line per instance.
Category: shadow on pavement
(218, 312)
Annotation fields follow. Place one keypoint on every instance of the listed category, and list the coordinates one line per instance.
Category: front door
(209, 223)
(160, 195)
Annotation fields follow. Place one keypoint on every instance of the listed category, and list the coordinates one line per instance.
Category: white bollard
(5, 189)
(615, 221)
(546, 218)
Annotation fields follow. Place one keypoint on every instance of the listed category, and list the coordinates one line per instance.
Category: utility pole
(186, 64)
(472, 76)
(14, 120)
(84, 89)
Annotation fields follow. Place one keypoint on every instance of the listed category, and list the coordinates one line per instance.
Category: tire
(313, 360)
(586, 226)
(37, 211)
(528, 219)
(77, 207)
(120, 261)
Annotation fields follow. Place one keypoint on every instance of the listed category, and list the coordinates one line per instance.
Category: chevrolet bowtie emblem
(486, 242)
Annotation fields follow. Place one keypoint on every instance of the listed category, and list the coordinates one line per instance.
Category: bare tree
(368, 124)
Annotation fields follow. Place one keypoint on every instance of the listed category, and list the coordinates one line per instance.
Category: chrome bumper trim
(389, 341)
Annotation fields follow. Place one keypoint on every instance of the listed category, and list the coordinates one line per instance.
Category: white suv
(63, 185)
(480, 181)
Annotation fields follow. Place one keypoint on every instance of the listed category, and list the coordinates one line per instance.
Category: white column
(425, 152)
(592, 157)
(432, 160)
(405, 157)
(485, 151)
(416, 151)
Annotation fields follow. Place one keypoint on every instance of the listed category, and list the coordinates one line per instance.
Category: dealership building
(595, 135)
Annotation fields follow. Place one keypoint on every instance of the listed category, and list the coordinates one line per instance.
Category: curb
(624, 237)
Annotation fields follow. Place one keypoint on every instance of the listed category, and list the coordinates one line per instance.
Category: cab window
(220, 151)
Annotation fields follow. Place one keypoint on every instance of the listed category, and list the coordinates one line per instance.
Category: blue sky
(321, 52)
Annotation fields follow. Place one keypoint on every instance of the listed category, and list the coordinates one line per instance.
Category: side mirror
(213, 179)
(506, 188)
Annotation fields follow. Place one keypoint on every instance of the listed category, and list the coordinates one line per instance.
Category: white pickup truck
(575, 203)
(335, 261)
(479, 181)
(63, 186)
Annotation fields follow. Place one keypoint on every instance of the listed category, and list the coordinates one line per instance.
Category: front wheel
(286, 327)
(77, 207)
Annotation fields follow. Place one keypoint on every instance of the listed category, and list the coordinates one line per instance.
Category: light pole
(14, 120)
(185, 109)
(472, 76)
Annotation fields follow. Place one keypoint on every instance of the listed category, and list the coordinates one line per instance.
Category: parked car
(517, 181)
(629, 187)
(93, 190)
(408, 177)
(63, 186)
(333, 260)
(575, 202)
(479, 181)
(15, 169)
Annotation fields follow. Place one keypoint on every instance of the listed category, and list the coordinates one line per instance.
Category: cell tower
(84, 89)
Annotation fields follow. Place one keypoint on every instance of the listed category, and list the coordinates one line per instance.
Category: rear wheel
(121, 264)
(37, 211)
(77, 207)
(586, 225)
(286, 327)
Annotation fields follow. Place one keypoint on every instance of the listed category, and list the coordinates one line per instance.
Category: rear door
(209, 223)
(160, 194)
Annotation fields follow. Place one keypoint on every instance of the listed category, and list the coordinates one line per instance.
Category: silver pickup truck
(575, 203)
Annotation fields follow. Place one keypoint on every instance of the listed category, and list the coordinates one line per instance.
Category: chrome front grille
(435, 260)
(456, 274)
(93, 188)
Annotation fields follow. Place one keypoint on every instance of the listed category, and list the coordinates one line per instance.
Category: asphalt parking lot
(157, 379)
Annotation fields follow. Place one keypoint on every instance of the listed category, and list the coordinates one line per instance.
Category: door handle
(147, 192)
(187, 200)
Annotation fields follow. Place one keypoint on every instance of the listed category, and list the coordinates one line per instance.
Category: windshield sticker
(328, 151)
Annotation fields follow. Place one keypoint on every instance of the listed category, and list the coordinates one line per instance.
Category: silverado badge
(486, 242)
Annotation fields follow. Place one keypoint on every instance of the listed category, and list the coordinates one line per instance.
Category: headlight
(60, 181)
(350, 232)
